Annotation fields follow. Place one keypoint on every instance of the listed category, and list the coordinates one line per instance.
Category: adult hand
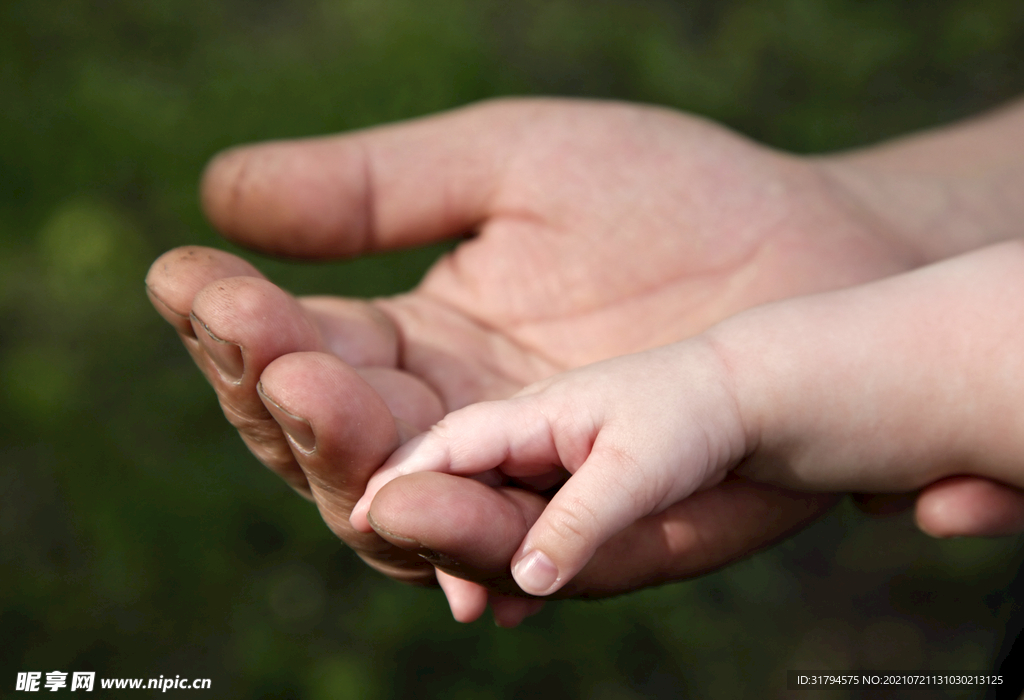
(600, 229)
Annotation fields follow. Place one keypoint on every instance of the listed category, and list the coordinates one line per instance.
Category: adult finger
(354, 330)
(380, 188)
(231, 339)
(340, 430)
(234, 323)
(466, 599)
(472, 531)
(176, 277)
(469, 599)
(607, 492)
(509, 611)
(702, 533)
(511, 434)
(242, 325)
(970, 507)
(461, 526)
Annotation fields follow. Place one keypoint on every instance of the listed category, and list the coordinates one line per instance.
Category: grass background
(139, 538)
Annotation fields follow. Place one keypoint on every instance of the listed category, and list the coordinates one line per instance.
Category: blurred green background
(137, 535)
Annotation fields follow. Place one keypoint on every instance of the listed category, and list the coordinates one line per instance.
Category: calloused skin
(600, 229)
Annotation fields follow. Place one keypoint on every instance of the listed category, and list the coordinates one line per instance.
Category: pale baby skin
(888, 386)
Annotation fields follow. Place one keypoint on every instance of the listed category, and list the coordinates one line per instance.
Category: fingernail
(359, 511)
(387, 534)
(298, 430)
(535, 573)
(225, 354)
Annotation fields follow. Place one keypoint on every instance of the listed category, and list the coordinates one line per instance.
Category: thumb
(610, 491)
(387, 187)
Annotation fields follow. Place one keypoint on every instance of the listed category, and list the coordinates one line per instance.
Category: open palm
(596, 230)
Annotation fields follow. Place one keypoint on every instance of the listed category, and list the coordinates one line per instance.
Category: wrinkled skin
(598, 230)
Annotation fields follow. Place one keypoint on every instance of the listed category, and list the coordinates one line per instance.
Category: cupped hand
(595, 230)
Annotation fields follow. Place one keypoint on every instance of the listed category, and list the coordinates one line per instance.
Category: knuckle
(262, 435)
(259, 425)
(448, 438)
(575, 523)
(442, 430)
(270, 449)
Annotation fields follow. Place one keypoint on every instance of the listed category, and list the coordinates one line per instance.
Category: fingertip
(353, 428)
(358, 517)
(409, 458)
(931, 514)
(604, 496)
(477, 526)
(174, 279)
(361, 512)
(215, 184)
(467, 600)
(303, 198)
(510, 612)
(234, 189)
(536, 574)
(970, 507)
(181, 323)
